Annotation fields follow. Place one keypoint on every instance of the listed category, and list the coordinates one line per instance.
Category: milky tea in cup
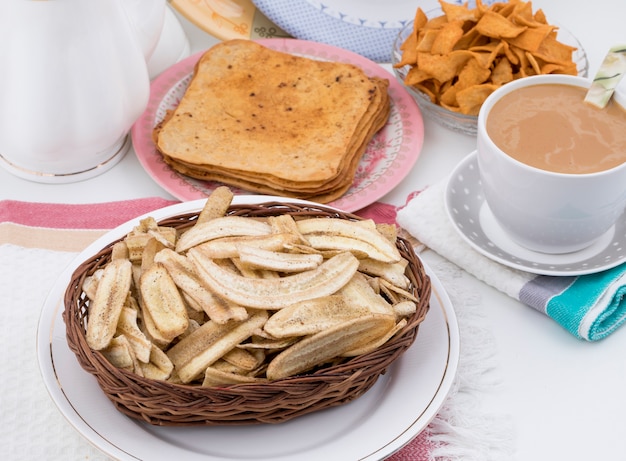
(552, 167)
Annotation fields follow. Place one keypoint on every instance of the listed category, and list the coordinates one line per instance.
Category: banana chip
(324, 280)
(226, 226)
(215, 378)
(163, 302)
(312, 316)
(277, 260)
(333, 342)
(105, 309)
(120, 353)
(342, 234)
(185, 276)
(127, 326)
(216, 205)
(229, 247)
(159, 365)
(196, 352)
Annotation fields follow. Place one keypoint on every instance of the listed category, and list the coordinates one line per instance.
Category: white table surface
(565, 396)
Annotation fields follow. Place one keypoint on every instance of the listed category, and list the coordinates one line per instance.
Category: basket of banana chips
(244, 314)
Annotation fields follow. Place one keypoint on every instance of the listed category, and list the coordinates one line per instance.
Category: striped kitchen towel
(589, 306)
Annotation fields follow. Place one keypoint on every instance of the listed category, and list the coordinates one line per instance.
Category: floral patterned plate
(387, 160)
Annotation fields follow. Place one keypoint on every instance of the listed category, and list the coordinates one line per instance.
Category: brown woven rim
(167, 404)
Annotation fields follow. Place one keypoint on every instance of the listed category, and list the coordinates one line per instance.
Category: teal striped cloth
(590, 307)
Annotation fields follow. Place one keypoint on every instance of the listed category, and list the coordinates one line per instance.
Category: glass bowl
(456, 121)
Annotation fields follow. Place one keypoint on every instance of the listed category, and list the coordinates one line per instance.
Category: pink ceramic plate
(388, 158)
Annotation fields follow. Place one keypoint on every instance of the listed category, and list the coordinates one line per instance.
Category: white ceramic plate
(472, 218)
(387, 417)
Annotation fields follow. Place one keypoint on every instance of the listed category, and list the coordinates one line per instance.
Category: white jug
(73, 80)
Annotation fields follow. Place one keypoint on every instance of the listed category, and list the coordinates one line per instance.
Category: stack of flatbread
(273, 123)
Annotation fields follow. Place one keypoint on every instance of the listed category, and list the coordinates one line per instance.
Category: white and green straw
(608, 77)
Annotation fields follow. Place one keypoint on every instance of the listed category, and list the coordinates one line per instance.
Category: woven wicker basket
(167, 404)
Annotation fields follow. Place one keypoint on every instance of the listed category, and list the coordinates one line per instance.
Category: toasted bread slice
(273, 122)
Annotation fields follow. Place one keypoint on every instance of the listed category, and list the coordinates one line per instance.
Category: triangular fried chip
(504, 9)
(568, 68)
(473, 73)
(455, 12)
(522, 13)
(448, 97)
(420, 19)
(493, 25)
(532, 38)
(502, 72)
(443, 68)
(469, 39)
(426, 39)
(508, 52)
(447, 37)
(470, 99)
(551, 50)
(416, 75)
(540, 17)
(409, 50)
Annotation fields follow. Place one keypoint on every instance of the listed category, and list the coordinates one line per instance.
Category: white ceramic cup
(546, 211)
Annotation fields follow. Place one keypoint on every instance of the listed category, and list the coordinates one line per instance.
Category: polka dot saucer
(466, 207)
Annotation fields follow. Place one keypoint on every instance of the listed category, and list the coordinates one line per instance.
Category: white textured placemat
(32, 426)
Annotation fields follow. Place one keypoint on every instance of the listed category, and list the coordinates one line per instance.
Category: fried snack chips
(235, 299)
(459, 58)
